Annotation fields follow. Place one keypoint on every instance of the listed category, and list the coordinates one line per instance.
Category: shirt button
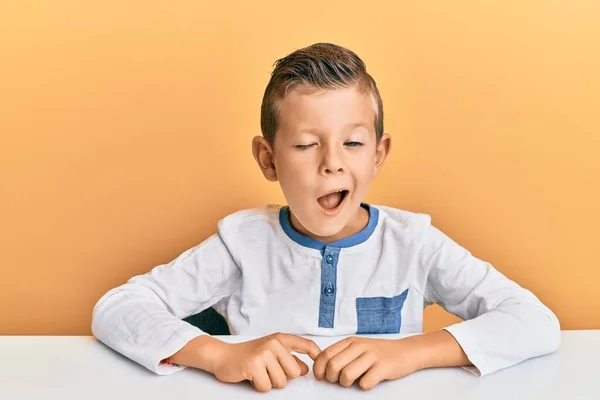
(329, 259)
(329, 289)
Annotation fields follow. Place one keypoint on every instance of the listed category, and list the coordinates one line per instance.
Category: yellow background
(126, 128)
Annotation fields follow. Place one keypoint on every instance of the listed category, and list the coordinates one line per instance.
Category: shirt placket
(329, 264)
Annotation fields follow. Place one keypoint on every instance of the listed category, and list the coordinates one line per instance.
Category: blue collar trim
(303, 240)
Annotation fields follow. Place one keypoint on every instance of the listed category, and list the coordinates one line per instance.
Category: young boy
(326, 264)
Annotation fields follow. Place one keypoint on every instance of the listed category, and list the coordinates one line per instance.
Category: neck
(357, 223)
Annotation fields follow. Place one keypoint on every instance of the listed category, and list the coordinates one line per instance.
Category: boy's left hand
(371, 360)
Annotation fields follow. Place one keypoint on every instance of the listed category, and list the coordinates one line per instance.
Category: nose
(331, 163)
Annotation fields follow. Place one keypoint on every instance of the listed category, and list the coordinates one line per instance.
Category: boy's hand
(266, 362)
(371, 360)
(374, 360)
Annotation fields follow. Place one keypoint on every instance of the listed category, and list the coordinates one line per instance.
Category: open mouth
(333, 200)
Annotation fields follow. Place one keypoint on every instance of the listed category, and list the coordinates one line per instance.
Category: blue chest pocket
(380, 314)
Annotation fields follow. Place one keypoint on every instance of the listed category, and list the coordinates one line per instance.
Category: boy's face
(325, 156)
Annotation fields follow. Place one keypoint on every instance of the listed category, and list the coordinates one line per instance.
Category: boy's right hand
(266, 362)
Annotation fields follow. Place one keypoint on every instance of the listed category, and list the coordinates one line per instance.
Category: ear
(263, 154)
(383, 149)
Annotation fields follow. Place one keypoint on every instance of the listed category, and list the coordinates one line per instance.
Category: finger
(276, 374)
(341, 360)
(260, 380)
(321, 362)
(300, 345)
(372, 378)
(356, 369)
(303, 366)
(287, 362)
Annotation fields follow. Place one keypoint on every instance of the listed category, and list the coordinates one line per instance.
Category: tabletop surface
(80, 367)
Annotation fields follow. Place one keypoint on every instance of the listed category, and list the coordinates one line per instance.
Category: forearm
(127, 320)
(508, 334)
(437, 349)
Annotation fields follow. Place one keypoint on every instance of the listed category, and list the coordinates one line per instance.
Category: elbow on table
(548, 333)
(99, 313)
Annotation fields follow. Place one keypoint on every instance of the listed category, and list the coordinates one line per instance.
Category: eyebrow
(348, 127)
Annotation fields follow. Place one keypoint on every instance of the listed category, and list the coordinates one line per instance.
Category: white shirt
(265, 277)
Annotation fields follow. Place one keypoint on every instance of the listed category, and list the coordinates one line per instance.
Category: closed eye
(353, 144)
(304, 146)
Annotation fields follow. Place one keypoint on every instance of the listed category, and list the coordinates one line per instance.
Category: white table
(79, 367)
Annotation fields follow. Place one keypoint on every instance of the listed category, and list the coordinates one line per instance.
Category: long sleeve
(504, 323)
(142, 318)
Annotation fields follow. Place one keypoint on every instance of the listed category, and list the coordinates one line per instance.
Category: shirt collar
(303, 240)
